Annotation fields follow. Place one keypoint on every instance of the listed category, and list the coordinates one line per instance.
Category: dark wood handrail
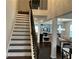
(34, 36)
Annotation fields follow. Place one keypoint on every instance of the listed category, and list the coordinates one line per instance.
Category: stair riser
(22, 15)
(22, 26)
(21, 30)
(19, 54)
(20, 47)
(20, 42)
(21, 33)
(20, 37)
(23, 20)
(22, 23)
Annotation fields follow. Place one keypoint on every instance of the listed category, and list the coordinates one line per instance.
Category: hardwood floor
(58, 52)
(45, 51)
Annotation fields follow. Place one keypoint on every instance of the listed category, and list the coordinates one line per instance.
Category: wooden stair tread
(20, 57)
(19, 50)
(20, 44)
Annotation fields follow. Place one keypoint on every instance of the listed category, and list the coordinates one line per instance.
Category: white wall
(11, 7)
(55, 8)
(23, 5)
(40, 12)
(58, 7)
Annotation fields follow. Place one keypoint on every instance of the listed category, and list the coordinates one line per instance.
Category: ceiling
(67, 16)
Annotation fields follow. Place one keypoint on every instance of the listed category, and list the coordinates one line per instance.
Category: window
(35, 4)
(60, 28)
(43, 4)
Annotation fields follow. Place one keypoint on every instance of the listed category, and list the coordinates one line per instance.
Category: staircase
(23, 44)
(20, 44)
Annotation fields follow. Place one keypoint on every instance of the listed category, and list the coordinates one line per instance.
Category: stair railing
(34, 44)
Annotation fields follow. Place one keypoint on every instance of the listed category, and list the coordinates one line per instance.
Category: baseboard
(53, 58)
